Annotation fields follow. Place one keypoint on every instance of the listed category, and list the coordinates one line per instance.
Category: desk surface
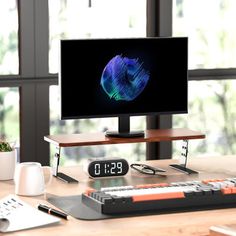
(186, 223)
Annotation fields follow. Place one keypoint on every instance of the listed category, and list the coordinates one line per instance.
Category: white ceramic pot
(7, 165)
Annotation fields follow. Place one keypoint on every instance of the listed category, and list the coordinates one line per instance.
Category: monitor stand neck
(124, 129)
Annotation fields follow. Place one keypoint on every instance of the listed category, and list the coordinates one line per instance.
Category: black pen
(52, 211)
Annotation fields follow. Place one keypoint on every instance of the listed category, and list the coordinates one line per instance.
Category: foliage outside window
(9, 64)
(9, 60)
(212, 45)
(210, 26)
(9, 114)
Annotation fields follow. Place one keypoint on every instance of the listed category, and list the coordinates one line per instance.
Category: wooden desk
(186, 223)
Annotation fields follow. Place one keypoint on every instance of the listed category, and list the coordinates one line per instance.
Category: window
(212, 48)
(209, 24)
(21, 71)
(9, 114)
(9, 65)
(9, 60)
(41, 24)
(93, 19)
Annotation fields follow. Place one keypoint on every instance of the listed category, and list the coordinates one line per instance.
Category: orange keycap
(233, 189)
(226, 190)
(88, 191)
(157, 196)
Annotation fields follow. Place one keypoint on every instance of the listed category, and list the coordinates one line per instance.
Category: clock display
(102, 167)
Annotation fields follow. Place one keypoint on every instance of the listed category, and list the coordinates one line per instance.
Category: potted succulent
(5, 147)
(7, 160)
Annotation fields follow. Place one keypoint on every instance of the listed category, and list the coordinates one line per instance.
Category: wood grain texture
(155, 135)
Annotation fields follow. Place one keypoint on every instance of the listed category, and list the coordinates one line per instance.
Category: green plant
(5, 147)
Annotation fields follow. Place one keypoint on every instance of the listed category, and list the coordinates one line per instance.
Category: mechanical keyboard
(161, 197)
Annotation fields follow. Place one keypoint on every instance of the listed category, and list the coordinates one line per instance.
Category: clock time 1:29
(112, 168)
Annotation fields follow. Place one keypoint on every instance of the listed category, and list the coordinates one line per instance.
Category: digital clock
(105, 167)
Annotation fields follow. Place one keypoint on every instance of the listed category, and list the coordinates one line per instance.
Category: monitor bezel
(172, 112)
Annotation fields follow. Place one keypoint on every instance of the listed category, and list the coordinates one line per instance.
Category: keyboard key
(158, 196)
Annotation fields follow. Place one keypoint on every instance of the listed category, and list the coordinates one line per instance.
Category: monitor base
(132, 134)
(66, 178)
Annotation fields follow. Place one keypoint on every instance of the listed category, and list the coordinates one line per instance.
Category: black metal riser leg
(61, 175)
(183, 167)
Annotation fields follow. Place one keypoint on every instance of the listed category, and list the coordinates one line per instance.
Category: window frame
(160, 23)
(34, 79)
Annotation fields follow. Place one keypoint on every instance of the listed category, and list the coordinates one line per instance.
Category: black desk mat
(73, 206)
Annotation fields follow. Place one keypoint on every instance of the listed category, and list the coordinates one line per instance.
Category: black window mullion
(212, 74)
(41, 70)
(159, 23)
(34, 93)
(26, 38)
(27, 69)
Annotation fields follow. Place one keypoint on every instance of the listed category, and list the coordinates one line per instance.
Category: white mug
(30, 178)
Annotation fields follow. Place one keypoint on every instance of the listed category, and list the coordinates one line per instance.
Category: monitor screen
(123, 77)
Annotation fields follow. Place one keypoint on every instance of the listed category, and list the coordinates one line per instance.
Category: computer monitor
(122, 78)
